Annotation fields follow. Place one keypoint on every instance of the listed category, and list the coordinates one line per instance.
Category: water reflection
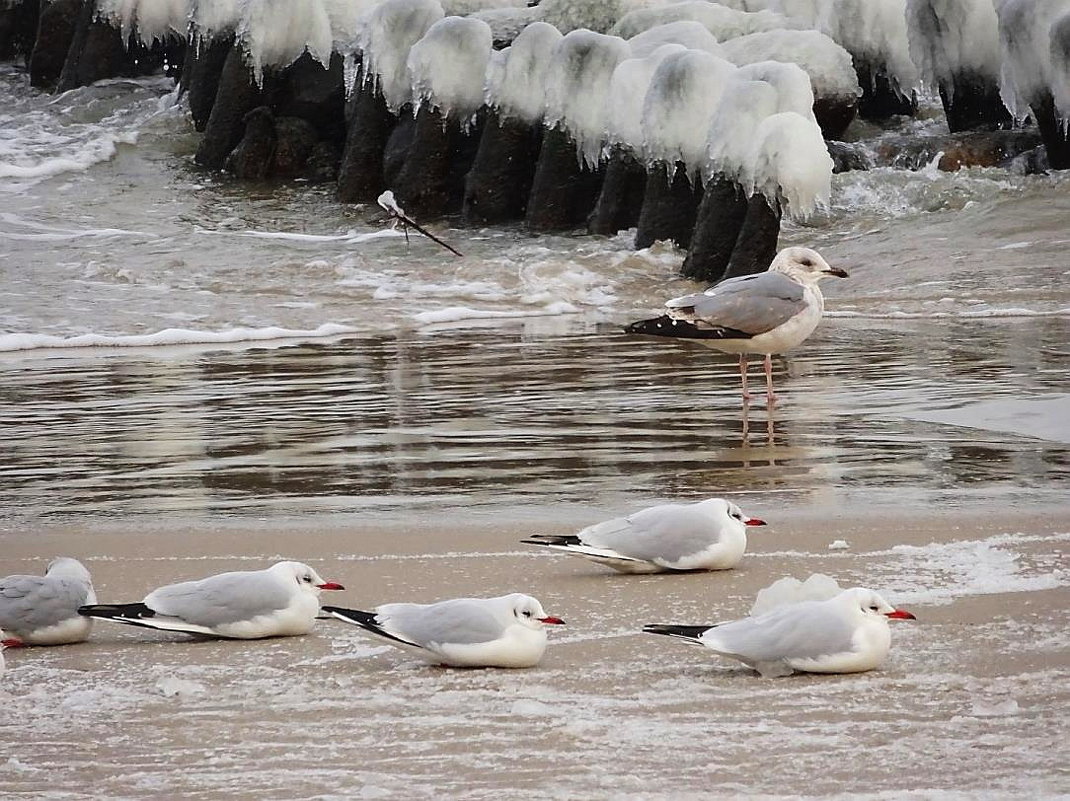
(493, 417)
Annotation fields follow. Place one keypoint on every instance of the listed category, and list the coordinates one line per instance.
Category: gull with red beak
(505, 632)
(765, 313)
(847, 633)
(281, 601)
(672, 537)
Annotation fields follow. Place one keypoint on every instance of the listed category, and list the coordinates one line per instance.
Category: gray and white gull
(707, 535)
(765, 313)
(280, 601)
(506, 632)
(43, 610)
(847, 633)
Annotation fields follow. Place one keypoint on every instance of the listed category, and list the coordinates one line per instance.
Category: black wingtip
(666, 326)
(137, 611)
(552, 539)
(358, 616)
(669, 630)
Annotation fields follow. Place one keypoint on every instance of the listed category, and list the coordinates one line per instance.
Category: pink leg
(743, 376)
(769, 394)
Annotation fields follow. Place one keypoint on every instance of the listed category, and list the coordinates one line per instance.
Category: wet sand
(973, 701)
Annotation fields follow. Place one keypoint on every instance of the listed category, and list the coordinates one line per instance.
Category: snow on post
(949, 37)
(793, 88)
(594, 15)
(1059, 53)
(829, 66)
(149, 19)
(720, 20)
(789, 164)
(627, 90)
(278, 32)
(688, 33)
(516, 76)
(744, 104)
(679, 105)
(387, 34)
(576, 85)
(448, 66)
(1026, 74)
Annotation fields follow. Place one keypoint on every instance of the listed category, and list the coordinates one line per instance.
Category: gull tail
(366, 620)
(140, 615)
(572, 544)
(691, 634)
(666, 326)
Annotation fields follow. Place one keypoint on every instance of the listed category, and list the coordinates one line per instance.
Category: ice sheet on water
(516, 76)
(692, 35)
(723, 22)
(576, 85)
(951, 36)
(679, 105)
(448, 66)
(829, 66)
(387, 33)
(790, 163)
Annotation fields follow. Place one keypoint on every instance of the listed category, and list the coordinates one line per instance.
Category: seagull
(765, 313)
(844, 634)
(281, 601)
(708, 535)
(506, 632)
(43, 610)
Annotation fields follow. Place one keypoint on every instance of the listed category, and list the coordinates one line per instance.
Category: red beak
(330, 585)
(13, 643)
(753, 521)
(900, 614)
(556, 621)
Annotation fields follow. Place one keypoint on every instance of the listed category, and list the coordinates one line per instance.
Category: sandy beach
(972, 702)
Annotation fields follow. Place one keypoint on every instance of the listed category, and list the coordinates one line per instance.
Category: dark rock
(369, 125)
(967, 149)
(847, 156)
(1031, 162)
(323, 162)
(669, 207)
(834, 114)
(204, 68)
(756, 244)
(55, 32)
(307, 90)
(254, 155)
(496, 189)
(294, 140)
(236, 95)
(717, 225)
(621, 198)
(431, 183)
(563, 192)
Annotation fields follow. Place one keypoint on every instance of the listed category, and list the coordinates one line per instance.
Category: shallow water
(199, 375)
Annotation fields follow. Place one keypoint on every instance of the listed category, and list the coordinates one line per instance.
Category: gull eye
(806, 262)
(874, 607)
(527, 613)
(307, 579)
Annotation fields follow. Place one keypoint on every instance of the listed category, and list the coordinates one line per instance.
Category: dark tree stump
(563, 193)
(717, 226)
(621, 198)
(369, 125)
(204, 68)
(55, 31)
(669, 207)
(236, 96)
(497, 187)
(431, 184)
(972, 103)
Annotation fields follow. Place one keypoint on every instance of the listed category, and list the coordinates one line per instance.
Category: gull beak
(836, 271)
(555, 621)
(753, 521)
(12, 643)
(330, 585)
(900, 614)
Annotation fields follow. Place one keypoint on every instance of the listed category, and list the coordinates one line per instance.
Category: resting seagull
(281, 601)
(505, 632)
(708, 535)
(43, 610)
(766, 313)
(844, 634)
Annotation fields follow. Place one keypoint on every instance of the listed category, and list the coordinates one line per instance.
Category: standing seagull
(766, 313)
(43, 610)
(844, 634)
(506, 632)
(708, 535)
(280, 601)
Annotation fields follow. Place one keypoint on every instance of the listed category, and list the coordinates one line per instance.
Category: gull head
(529, 612)
(308, 580)
(804, 265)
(720, 506)
(870, 604)
(69, 568)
